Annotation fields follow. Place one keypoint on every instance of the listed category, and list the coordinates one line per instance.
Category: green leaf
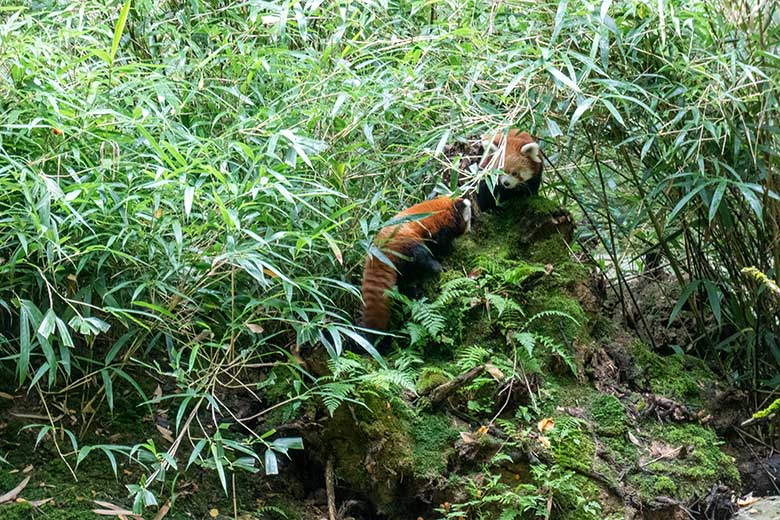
(271, 463)
(196, 451)
(25, 346)
(613, 111)
(714, 296)
(716, 198)
(120, 27)
(47, 326)
(219, 465)
(563, 78)
(581, 108)
(683, 298)
(752, 200)
(108, 387)
(684, 201)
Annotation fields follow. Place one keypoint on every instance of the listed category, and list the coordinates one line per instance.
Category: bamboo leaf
(119, 29)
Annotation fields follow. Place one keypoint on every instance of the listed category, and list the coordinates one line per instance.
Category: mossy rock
(677, 376)
(693, 472)
(567, 321)
(433, 439)
(373, 455)
(429, 378)
(571, 444)
(609, 415)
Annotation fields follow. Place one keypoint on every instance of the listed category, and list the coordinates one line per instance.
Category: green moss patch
(678, 376)
(691, 471)
(434, 439)
(571, 444)
(609, 415)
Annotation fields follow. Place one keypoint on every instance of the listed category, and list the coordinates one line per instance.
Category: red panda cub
(411, 247)
(519, 156)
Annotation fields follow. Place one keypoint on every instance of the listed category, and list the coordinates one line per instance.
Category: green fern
(472, 356)
(455, 289)
(551, 313)
(390, 379)
(334, 393)
(557, 349)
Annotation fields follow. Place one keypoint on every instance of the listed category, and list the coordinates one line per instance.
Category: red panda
(519, 156)
(411, 247)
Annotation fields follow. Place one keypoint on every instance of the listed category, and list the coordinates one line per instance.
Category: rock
(766, 508)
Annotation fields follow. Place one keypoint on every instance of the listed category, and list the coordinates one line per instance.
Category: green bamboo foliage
(188, 188)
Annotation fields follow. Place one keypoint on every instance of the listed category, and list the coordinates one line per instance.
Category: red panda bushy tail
(378, 277)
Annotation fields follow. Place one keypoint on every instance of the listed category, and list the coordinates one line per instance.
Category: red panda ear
(532, 151)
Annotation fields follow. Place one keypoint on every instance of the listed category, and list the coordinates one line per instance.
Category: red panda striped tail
(378, 277)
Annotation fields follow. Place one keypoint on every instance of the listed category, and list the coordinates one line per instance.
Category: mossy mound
(512, 299)
(609, 415)
(678, 376)
(690, 457)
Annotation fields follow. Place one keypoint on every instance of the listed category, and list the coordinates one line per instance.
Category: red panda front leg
(423, 262)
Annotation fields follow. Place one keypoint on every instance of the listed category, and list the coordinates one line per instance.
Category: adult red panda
(411, 247)
(519, 156)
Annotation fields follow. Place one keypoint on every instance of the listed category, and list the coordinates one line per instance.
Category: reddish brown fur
(515, 162)
(396, 242)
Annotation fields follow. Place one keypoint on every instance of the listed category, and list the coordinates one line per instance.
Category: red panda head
(517, 153)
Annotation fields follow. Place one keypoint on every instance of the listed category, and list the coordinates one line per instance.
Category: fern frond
(472, 356)
(551, 313)
(455, 289)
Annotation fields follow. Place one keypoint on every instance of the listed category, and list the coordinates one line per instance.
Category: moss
(540, 206)
(553, 250)
(571, 446)
(621, 451)
(434, 439)
(581, 502)
(609, 415)
(678, 376)
(558, 253)
(374, 455)
(769, 410)
(429, 378)
(569, 322)
(693, 471)
(665, 486)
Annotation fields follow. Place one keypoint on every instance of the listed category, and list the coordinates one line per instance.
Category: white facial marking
(508, 181)
(532, 151)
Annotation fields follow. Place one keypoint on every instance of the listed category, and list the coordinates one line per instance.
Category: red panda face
(517, 153)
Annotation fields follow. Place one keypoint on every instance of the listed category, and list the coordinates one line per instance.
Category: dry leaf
(482, 430)
(214, 512)
(255, 329)
(39, 503)
(468, 437)
(14, 492)
(632, 438)
(158, 213)
(166, 433)
(545, 442)
(6, 396)
(747, 500)
(545, 424)
(114, 512)
(28, 468)
(661, 450)
(109, 509)
(157, 393)
(548, 269)
(493, 370)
